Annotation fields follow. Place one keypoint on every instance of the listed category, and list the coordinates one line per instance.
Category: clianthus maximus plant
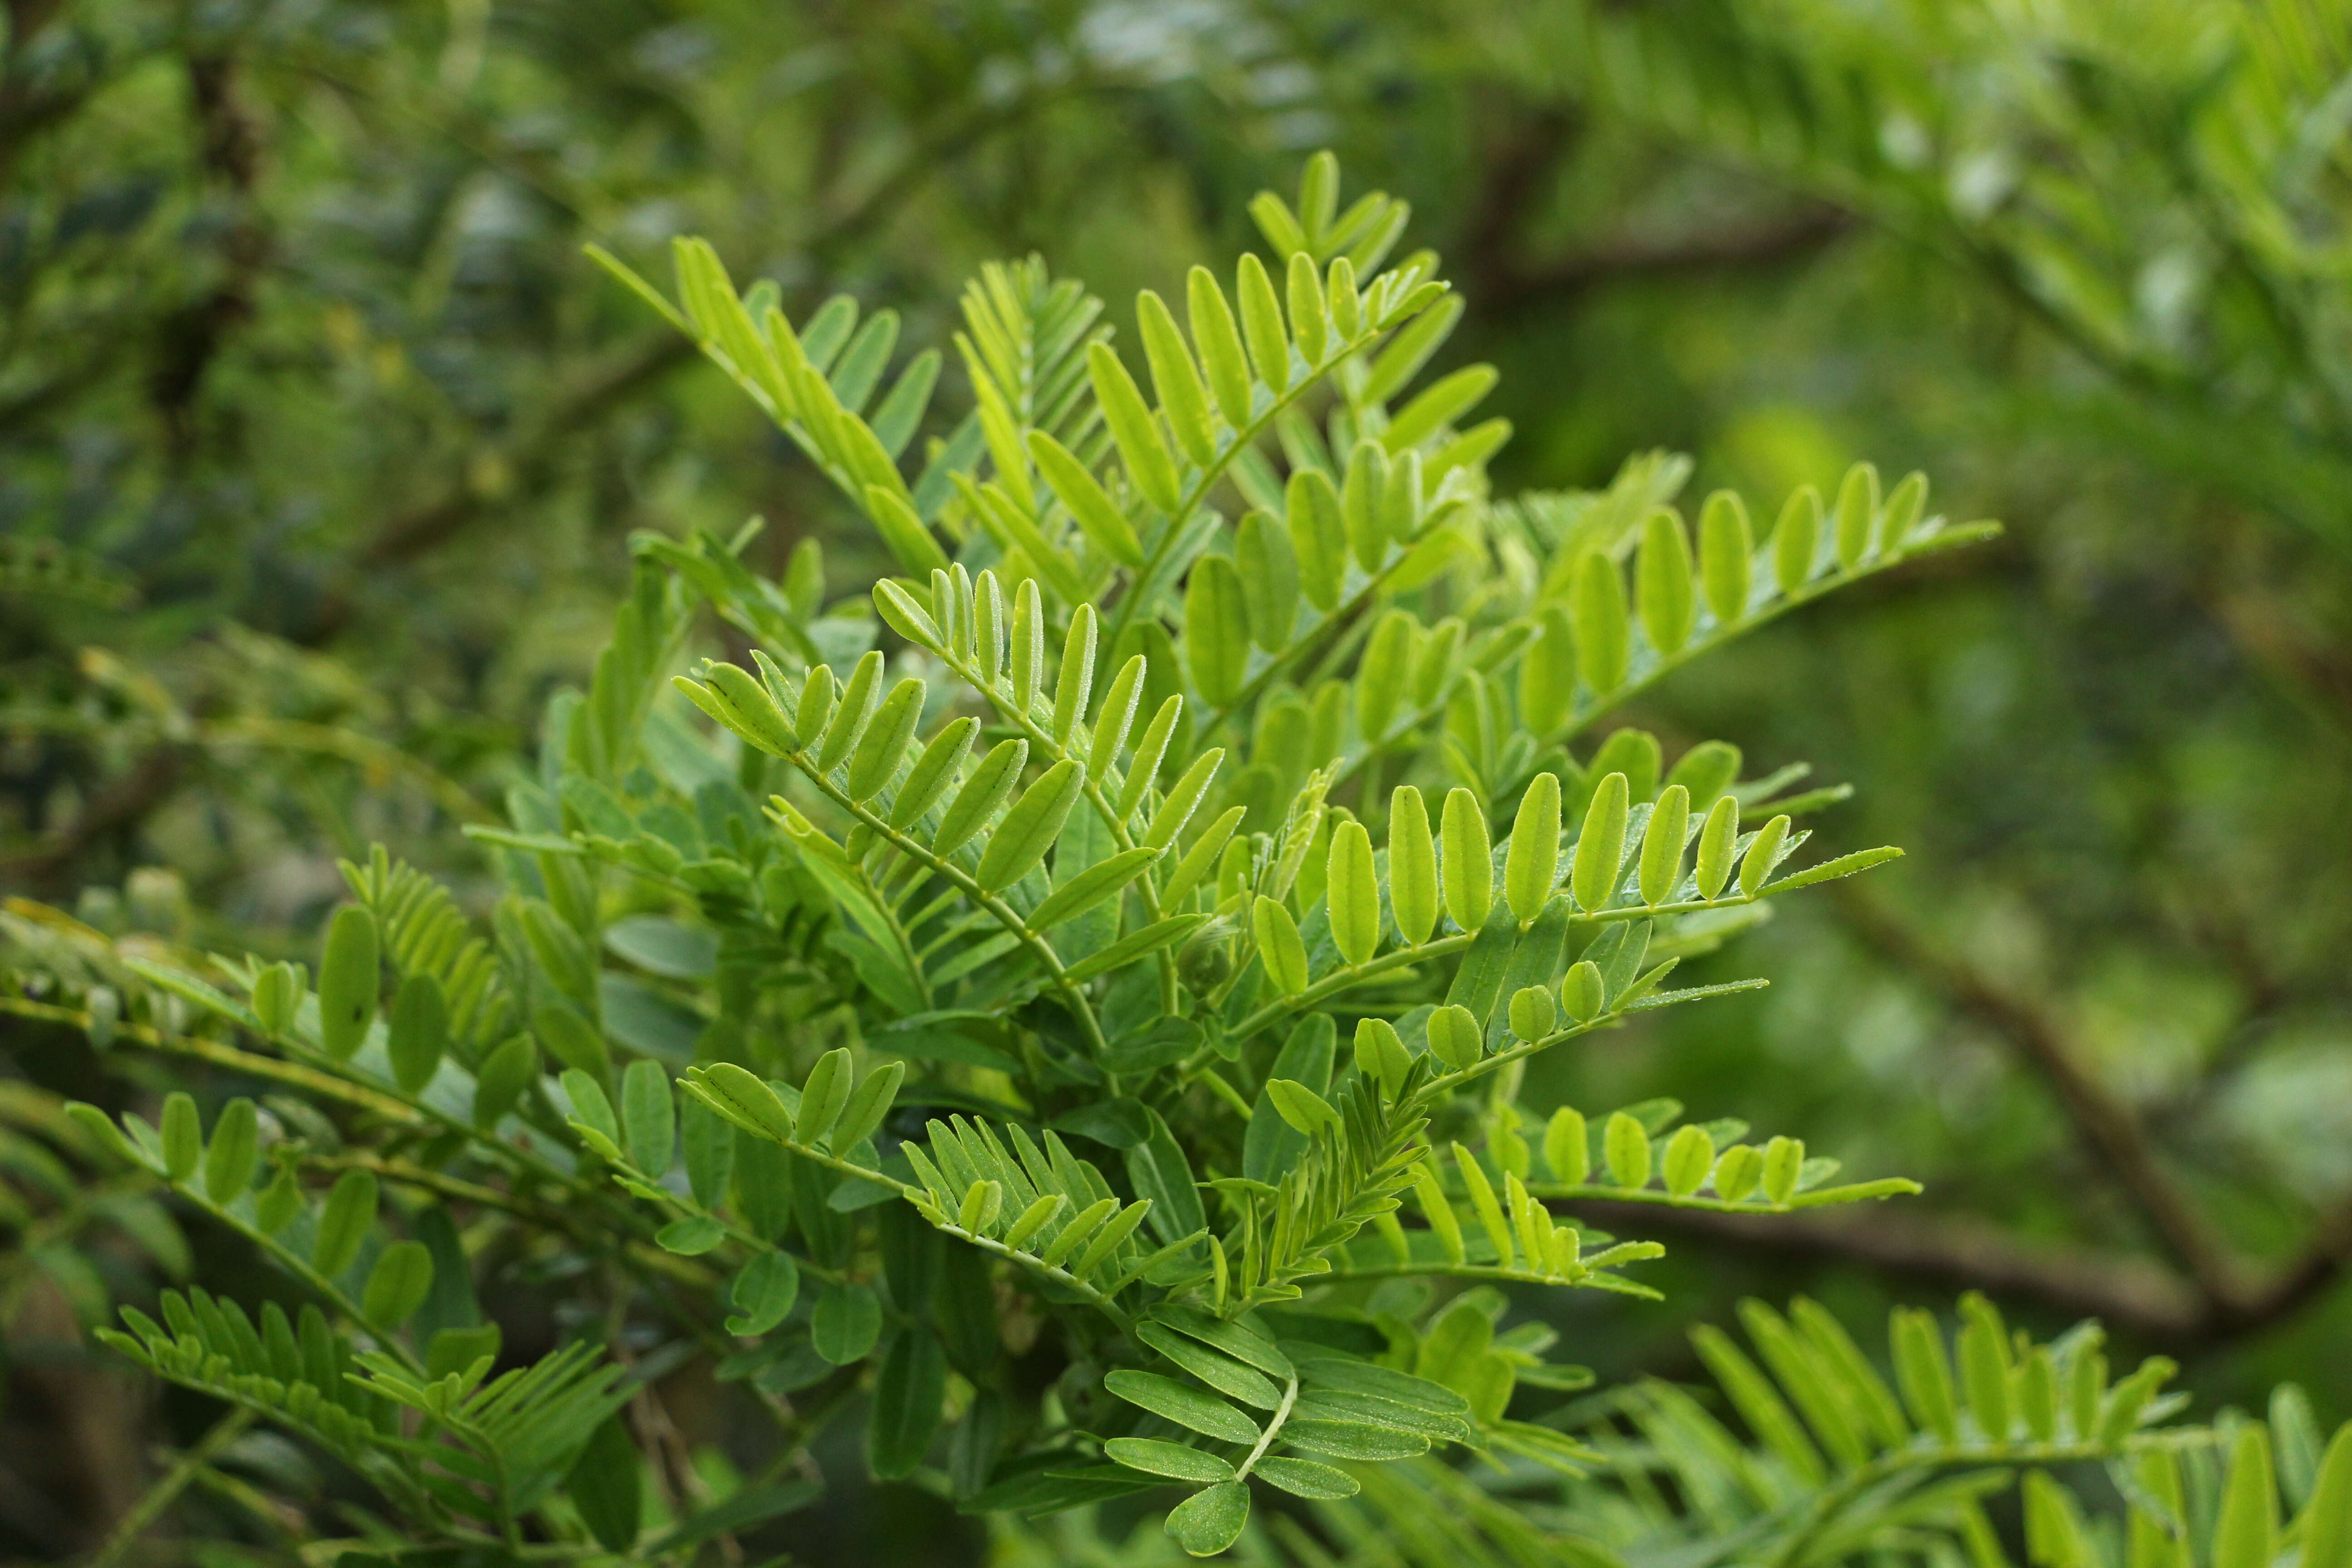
(1066, 1009)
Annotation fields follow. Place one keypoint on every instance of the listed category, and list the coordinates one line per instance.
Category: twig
(169, 1485)
(2215, 1302)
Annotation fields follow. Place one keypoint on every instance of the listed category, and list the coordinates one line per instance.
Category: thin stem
(1575, 1190)
(1426, 1270)
(1804, 594)
(1273, 1427)
(169, 1485)
(326, 1084)
(1093, 1295)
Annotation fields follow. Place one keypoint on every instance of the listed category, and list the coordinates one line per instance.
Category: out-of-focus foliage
(319, 439)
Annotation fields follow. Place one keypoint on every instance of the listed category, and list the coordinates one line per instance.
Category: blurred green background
(319, 440)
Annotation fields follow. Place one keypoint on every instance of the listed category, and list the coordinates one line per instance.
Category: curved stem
(1094, 1296)
(300, 1267)
(1272, 1427)
(328, 1086)
(170, 1485)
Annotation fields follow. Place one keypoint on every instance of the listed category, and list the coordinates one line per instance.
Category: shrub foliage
(1067, 1008)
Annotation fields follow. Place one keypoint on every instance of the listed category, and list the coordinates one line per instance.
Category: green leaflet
(1531, 866)
(823, 1097)
(397, 1285)
(1384, 680)
(2327, 1518)
(1117, 717)
(1099, 516)
(1306, 1111)
(1310, 320)
(1268, 566)
(1565, 1149)
(1362, 491)
(1439, 405)
(859, 699)
(1211, 1519)
(1796, 539)
(606, 1485)
(344, 1223)
(988, 788)
(763, 1292)
(1187, 1406)
(1262, 324)
(1455, 1038)
(648, 1117)
(418, 1031)
(1604, 647)
(883, 746)
(847, 1323)
(234, 1152)
(2246, 1535)
(1150, 467)
(1469, 863)
(1144, 766)
(1625, 1149)
(1220, 343)
(1726, 553)
(1318, 536)
(1183, 798)
(504, 1077)
(1304, 1478)
(1413, 866)
(1090, 887)
(1762, 856)
(1175, 378)
(1716, 841)
(1856, 515)
(1074, 681)
(1662, 582)
(1661, 845)
(1601, 847)
(1548, 673)
(1028, 646)
(1029, 829)
(1353, 893)
(1278, 945)
(1216, 630)
(1174, 1460)
(933, 773)
(1222, 1373)
(907, 1395)
(348, 980)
